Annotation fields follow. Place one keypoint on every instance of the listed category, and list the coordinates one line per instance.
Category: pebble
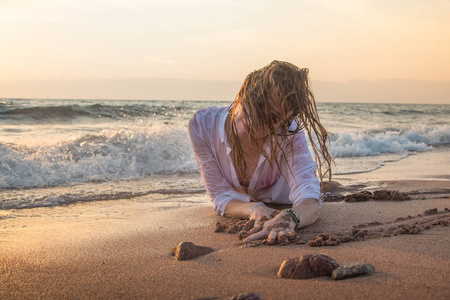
(352, 270)
(187, 250)
(243, 296)
(307, 266)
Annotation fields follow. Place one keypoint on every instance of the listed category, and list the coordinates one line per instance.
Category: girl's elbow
(315, 215)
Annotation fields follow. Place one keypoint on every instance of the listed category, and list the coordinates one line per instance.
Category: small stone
(358, 197)
(381, 194)
(324, 240)
(252, 244)
(390, 195)
(246, 296)
(234, 225)
(432, 211)
(248, 225)
(408, 229)
(352, 270)
(399, 196)
(333, 198)
(187, 250)
(233, 229)
(374, 223)
(219, 227)
(308, 266)
(243, 296)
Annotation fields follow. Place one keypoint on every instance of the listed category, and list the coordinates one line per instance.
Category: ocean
(59, 151)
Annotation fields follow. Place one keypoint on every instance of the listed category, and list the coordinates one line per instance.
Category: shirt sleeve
(301, 177)
(219, 189)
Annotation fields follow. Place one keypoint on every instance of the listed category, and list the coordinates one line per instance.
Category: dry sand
(121, 249)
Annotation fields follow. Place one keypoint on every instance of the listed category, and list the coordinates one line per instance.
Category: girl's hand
(260, 211)
(275, 229)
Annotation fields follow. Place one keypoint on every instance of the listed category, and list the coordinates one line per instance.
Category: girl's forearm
(238, 209)
(308, 211)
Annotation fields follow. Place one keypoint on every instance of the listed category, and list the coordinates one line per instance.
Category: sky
(146, 49)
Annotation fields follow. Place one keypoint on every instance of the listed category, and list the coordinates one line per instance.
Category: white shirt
(212, 154)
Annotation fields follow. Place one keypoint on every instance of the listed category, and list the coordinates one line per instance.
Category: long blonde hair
(285, 86)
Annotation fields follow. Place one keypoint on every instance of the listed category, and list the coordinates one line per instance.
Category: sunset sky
(62, 48)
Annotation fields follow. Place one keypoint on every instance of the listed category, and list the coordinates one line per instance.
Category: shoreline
(429, 165)
(121, 248)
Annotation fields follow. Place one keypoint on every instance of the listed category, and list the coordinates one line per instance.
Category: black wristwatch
(294, 216)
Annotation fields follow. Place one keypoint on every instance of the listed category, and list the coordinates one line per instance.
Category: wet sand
(122, 248)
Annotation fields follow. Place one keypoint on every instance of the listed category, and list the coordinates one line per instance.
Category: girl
(255, 152)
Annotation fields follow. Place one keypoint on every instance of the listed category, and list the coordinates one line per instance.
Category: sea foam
(124, 154)
(372, 143)
(134, 153)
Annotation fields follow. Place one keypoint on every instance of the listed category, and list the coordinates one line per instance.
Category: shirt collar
(222, 132)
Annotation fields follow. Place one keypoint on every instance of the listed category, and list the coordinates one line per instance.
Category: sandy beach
(121, 248)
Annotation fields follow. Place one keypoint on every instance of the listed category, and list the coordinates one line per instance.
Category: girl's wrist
(294, 216)
(253, 208)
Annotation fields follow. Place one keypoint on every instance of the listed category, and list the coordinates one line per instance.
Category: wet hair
(283, 86)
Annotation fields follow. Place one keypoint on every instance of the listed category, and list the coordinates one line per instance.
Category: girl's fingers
(291, 235)
(274, 230)
(257, 236)
(281, 235)
(272, 239)
(288, 231)
(255, 229)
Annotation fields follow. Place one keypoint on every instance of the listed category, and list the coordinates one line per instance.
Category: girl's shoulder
(208, 120)
(210, 111)
(209, 115)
